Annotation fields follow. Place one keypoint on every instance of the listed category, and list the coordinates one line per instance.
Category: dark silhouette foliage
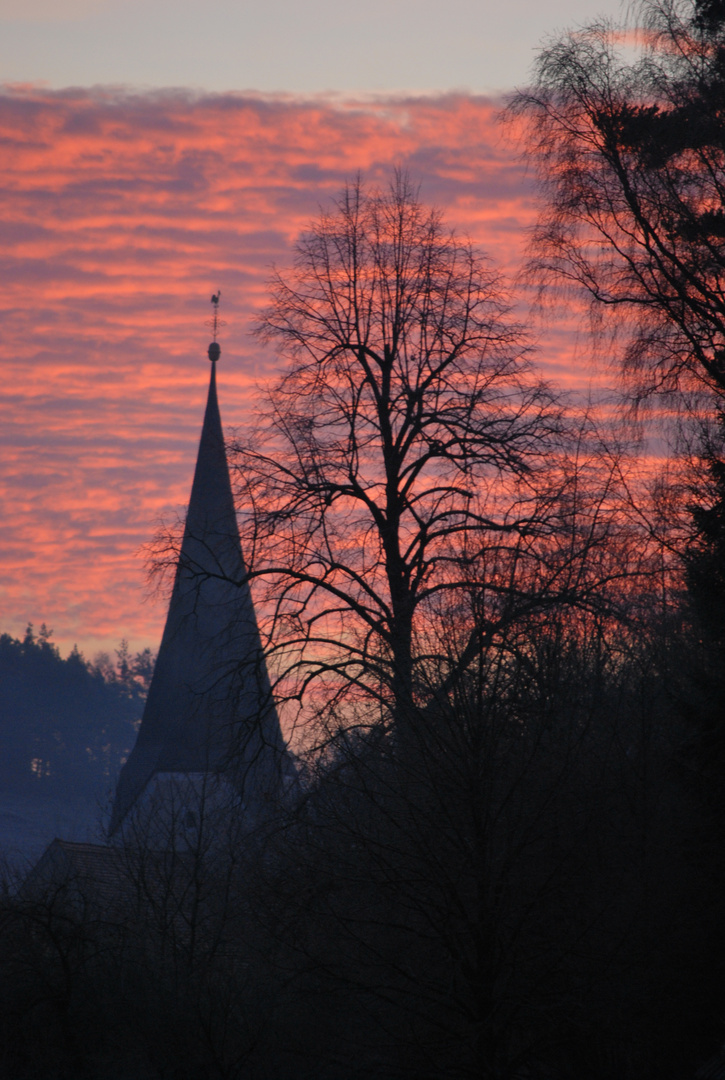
(700, 688)
(529, 890)
(65, 724)
(631, 159)
(705, 555)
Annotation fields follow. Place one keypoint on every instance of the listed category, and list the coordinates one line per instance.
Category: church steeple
(210, 707)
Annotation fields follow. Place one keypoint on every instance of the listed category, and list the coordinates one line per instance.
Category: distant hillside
(66, 725)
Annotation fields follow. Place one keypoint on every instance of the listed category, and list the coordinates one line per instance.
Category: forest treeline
(66, 724)
(497, 643)
(532, 884)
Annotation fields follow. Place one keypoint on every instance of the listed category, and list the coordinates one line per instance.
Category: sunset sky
(124, 206)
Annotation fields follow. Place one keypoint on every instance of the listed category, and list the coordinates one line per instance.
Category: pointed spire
(209, 707)
(214, 351)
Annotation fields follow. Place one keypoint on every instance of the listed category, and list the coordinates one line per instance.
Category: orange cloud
(121, 213)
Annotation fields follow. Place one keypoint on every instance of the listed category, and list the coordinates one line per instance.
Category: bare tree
(408, 457)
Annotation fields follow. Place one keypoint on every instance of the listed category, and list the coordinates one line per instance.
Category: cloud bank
(120, 214)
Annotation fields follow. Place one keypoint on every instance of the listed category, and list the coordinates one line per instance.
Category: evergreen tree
(631, 159)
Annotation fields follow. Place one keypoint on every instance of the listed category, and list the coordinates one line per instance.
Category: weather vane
(216, 324)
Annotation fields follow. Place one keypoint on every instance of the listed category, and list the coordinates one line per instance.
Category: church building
(210, 710)
(210, 738)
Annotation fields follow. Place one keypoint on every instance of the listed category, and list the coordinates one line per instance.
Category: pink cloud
(120, 214)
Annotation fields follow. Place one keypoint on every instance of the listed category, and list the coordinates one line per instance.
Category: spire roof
(209, 707)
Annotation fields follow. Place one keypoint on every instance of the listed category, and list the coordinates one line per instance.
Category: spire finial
(214, 351)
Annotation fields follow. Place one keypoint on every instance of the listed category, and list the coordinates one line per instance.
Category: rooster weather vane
(216, 324)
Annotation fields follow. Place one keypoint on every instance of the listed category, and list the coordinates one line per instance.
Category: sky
(297, 46)
(152, 154)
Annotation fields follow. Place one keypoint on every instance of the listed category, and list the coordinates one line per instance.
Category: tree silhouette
(66, 724)
(631, 161)
(410, 472)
